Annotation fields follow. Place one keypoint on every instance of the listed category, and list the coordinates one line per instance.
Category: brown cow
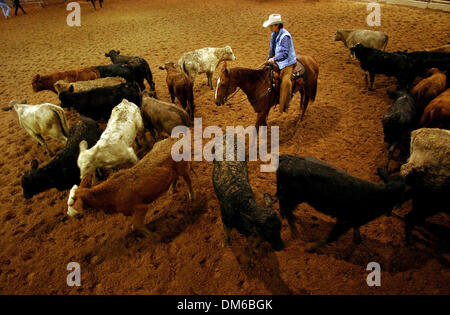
(46, 82)
(428, 88)
(131, 191)
(437, 113)
(181, 87)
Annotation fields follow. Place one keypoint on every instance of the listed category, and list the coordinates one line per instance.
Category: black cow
(398, 122)
(61, 172)
(139, 65)
(353, 201)
(117, 70)
(375, 61)
(428, 60)
(238, 207)
(98, 103)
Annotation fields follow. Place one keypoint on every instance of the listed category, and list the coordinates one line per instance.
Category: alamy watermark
(374, 278)
(74, 17)
(374, 17)
(213, 150)
(74, 277)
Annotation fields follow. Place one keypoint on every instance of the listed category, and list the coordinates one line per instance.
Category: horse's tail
(314, 86)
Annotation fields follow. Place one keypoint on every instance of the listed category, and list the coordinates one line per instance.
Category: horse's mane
(250, 74)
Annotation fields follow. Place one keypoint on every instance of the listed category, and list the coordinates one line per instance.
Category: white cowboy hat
(273, 19)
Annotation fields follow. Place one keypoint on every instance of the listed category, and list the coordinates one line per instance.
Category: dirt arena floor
(343, 127)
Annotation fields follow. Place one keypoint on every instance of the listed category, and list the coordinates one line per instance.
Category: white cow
(429, 162)
(80, 86)
(368, 38)
(114, 146)
(40, 120)
(204, 60)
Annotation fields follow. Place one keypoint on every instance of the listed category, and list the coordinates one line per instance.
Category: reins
(269, 90)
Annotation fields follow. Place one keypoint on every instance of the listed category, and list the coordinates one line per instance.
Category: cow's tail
(62, 120)
(182, 66)
(385, 42)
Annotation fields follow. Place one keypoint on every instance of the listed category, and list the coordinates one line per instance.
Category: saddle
(299, 72)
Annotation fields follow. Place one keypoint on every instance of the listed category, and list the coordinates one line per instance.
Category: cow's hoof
(71, 212)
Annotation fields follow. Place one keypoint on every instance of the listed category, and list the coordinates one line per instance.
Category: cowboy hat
(273, 19)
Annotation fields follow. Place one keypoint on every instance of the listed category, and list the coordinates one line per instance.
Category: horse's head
(225, 86)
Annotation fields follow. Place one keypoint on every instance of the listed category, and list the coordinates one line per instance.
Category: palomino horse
(260, 86)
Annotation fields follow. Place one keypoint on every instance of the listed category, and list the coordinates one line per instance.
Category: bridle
(269, 90)
(226, 98)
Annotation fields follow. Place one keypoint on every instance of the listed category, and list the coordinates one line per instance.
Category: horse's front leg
(261, 119)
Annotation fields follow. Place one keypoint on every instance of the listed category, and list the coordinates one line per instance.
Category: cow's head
(112, 53)
(147, 93)
(357, 50)
(66, 98)
(61, 85)
(395, 94)
(397, 184)
(432, 71)
(337, 36)
(37, 83)
(12, 103)
(229, 54)
(30, 185)
(168, 66)
(271, 226)
(225, 86)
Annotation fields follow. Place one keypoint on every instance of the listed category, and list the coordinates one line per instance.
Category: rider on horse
(283, 54)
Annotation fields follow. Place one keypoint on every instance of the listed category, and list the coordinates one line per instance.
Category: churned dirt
(343, 127)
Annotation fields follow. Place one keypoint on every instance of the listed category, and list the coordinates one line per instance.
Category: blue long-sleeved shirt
(284, 49)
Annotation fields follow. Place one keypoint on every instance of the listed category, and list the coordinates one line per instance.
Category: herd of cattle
(416, 123)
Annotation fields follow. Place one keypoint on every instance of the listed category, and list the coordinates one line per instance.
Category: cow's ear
(34, 164)
(83, 146)
(37, 76)
(162, 67)
(106, 54)
(24, 101)
(118, 52)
